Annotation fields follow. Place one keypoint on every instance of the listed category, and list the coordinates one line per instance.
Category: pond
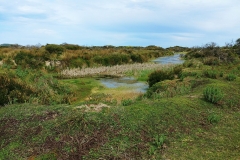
(131, 82)
(175, 59)
(127, 82)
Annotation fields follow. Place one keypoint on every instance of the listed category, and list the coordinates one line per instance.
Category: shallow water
(131, 82)
(128, 82)
(175, 59)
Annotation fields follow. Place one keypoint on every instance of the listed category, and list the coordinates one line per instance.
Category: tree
(238, 42)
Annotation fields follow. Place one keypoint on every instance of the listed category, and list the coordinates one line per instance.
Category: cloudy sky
(163, 23)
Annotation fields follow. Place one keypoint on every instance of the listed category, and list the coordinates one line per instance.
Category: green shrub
(212, 94)
(28, 60)
(211, 74)
(53, 48)
(231, 77)
(178, 70)
(221, 74)
(211, 61)
(158, 142)
(185, 74)
(126, 102)
(21, 73)
(71, 46)
(168, 88)
(12, 90)
(213, 118)
(160, 75)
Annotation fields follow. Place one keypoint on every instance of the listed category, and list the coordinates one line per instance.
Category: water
(175, 59)
(128, 82)
(131, 82)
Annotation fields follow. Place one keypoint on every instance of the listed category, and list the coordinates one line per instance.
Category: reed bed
(117, 70)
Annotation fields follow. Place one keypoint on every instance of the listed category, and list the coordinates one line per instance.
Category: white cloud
(89, 21)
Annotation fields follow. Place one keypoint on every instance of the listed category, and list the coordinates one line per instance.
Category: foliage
(71, 46)
(12, 90)
(27, 60)
(178, 70)
(212, 94)
(36, 87)
(126, 102)
(157, 143)
(213, 118)
(160, 75)
(169, 88)
(212, 54)
(231, 77)
(53, 48)
(211, 74)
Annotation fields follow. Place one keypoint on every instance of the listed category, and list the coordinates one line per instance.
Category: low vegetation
(190, 111)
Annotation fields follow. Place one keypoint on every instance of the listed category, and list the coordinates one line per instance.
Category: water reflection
(131, 82)
(128, 82)
(175, 59)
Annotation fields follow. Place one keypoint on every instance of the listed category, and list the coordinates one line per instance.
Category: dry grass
(117, 70)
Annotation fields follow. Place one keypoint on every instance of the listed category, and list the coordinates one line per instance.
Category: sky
(162, 23)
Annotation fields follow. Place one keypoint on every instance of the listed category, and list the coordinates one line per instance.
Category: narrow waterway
(131, 82)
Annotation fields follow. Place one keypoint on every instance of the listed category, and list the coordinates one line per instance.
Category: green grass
(82, 87)
(57, 131)
(140, 75)
(182, 126)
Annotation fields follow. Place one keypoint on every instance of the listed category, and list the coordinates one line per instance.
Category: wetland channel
(131, 82)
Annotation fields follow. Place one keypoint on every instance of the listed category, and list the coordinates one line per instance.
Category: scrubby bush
(14, 90)
(212, 94)
(231, 77)
(213, 118)
(212, 54)
(169, 88)
(211, 61)
(28, 60)
(71, 46)
(53, 48)
(126, 102)
(178, 70)
(43, 88)
(211, 73)
(160, 75)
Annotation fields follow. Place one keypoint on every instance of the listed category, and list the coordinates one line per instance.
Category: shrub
(212, 94)
(178, 70)
(231, 77)
(160, 75)
(168, 88)
(27, 60)
(126, 102)
(13, 90)
(71, 46)
(213, 118)
(211, 61)
(53, 48)
(211, 74)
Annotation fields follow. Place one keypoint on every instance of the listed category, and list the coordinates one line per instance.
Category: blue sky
(163, 23)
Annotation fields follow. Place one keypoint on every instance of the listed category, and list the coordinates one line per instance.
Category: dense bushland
(30, 86)
(212, 54)
(73, 56)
